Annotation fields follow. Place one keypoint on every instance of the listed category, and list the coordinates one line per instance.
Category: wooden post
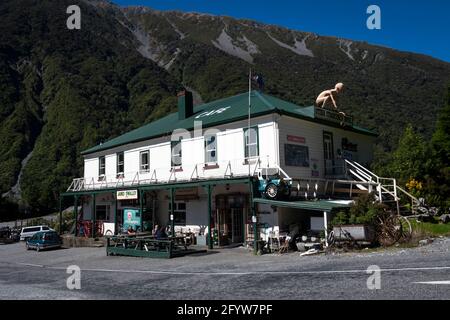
(172, 217)
(115, 213)
(141, 207)
(209, 238)
(94, 209)
(75, 213)
(325, 225)
(153, 212)
(254, 218)
(60, 213)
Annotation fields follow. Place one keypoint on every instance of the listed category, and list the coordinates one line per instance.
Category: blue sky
(421, 26)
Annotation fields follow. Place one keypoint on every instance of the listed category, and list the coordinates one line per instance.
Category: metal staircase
(386, 189)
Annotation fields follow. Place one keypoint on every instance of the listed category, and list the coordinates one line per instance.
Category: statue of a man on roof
(326, 96)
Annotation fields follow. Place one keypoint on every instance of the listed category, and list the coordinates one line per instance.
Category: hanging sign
(127, 194)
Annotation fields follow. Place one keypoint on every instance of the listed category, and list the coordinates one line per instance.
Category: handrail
(408, 194)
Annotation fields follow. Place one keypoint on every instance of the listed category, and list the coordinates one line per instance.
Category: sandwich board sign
(131, 218)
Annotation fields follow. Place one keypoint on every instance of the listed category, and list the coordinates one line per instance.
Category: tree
(438, 179)
(409, 160)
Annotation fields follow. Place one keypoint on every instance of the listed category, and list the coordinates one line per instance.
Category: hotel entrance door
(230, 218)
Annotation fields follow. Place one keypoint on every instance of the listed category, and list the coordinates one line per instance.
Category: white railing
(187, 172)
(310, 188)
(387, 189)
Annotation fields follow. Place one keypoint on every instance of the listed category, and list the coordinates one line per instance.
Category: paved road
(226, 274)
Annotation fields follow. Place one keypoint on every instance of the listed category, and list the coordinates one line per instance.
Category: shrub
(365, 210)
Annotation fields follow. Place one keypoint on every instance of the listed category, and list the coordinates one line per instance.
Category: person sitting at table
(130, 231)
(160, 233)
(155, 229)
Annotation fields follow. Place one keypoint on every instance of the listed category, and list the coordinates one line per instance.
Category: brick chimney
(185, 104)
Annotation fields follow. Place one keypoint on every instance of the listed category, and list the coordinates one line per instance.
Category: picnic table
(145, 245)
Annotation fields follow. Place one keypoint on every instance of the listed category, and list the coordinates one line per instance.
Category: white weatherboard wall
(110, 163)
(313, 134)
(90, 168)
(230, 151)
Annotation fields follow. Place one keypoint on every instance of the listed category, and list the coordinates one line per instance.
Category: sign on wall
(127, 194)
(296, 139)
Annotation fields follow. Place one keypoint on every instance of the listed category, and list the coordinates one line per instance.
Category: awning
(316, 205)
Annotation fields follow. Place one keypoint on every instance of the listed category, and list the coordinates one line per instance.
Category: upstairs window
(176, 153)
(144, 161)
(211, 149)
(120, 163)
(101, 166)
(251, 142)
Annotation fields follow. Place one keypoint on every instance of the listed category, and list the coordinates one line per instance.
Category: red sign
(296, 139)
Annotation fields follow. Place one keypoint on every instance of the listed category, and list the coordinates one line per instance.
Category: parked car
(274, 187)
(5, 235)
(28, 232)
(44, 240)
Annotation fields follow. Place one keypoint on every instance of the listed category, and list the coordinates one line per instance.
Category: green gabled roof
(236, 109)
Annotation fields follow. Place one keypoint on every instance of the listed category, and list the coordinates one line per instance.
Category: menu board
(296, 156)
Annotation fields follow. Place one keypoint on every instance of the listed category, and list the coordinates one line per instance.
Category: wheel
(392, 229)
(27, 246)
(405, 227)
(286, 193)
(271, 191)
(331, 239)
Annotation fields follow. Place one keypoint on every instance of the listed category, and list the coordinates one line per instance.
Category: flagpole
(248, 129)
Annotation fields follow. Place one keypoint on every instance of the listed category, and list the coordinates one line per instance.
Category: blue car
(44, 240)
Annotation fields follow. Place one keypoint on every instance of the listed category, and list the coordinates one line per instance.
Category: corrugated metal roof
(315, 205)
(215, 113)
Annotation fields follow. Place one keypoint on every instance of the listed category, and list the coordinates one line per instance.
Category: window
(179, 213)
(102, 212)
(144, 161)
(101, 166)
(120, 163)
(210, 148)
(176, 153)
(251, 142)
(296, 156)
